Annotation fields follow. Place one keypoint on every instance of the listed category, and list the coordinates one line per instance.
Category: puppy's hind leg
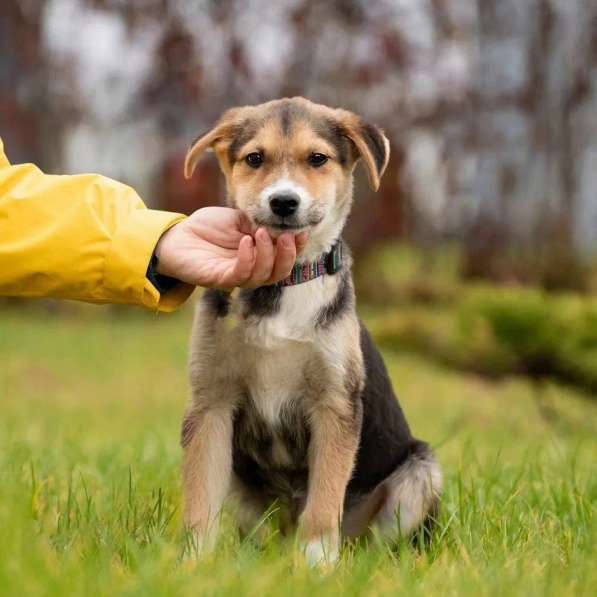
(252, 511)
(402, 502)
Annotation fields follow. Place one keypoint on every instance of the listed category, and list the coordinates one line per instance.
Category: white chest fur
(296, 318)
(276, 379)
(278, 347)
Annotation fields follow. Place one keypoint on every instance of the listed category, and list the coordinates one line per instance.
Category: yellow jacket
(83, 237)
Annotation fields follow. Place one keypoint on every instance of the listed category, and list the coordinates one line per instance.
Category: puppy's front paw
(319, 538)
(321, 552)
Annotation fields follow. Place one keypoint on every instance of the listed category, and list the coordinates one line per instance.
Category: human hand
(218, 247)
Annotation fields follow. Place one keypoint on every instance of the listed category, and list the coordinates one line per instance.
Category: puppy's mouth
(278, 224)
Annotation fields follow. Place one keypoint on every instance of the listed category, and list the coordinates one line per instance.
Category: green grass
(90, 492)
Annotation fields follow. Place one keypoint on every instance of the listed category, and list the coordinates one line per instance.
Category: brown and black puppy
(291, 400)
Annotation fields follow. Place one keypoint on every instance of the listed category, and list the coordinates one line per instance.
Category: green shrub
(496, 332)
(403, 274)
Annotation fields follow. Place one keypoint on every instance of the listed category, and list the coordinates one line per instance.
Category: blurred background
(479, 249)
(476, 271)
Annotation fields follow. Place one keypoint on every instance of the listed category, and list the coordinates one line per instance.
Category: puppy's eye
(254, 159)
(317, 159)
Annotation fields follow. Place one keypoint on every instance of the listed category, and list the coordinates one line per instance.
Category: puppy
(291, 401)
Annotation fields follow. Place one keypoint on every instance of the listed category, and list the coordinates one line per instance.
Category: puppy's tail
(404, 501)
(412, 491)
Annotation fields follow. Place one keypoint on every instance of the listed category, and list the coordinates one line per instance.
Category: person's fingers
(245, 262)
(264, 261)
(245, 224)
(286, 251)
(301, 240)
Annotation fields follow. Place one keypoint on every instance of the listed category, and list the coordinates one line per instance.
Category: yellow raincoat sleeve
(83, 237)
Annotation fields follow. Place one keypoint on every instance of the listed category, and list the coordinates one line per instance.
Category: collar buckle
(333, 259)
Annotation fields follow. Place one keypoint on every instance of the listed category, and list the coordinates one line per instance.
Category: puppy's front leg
(207, 468)
(332, 450)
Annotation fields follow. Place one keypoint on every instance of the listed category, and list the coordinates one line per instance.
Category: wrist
(157, 274)
(160, 255)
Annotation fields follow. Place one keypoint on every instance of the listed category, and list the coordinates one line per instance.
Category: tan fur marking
(335, 428)
(206, 473)
(334, 442)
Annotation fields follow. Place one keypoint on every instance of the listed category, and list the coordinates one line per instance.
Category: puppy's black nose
(284, 205)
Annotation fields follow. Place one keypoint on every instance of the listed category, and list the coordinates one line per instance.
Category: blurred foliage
(401, 273)
(553, 266)
(492, 331)
(492, 130)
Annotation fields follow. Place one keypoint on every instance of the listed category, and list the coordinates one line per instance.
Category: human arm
(90, 238)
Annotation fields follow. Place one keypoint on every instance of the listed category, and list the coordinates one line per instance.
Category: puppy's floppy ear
(371, 143)
(221, 131)
(198, 147)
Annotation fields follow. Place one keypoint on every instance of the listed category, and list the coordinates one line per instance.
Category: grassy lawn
(90, 492)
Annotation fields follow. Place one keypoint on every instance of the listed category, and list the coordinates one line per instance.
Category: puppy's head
(289, 163)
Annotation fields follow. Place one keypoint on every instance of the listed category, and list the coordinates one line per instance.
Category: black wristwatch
(162, 283)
